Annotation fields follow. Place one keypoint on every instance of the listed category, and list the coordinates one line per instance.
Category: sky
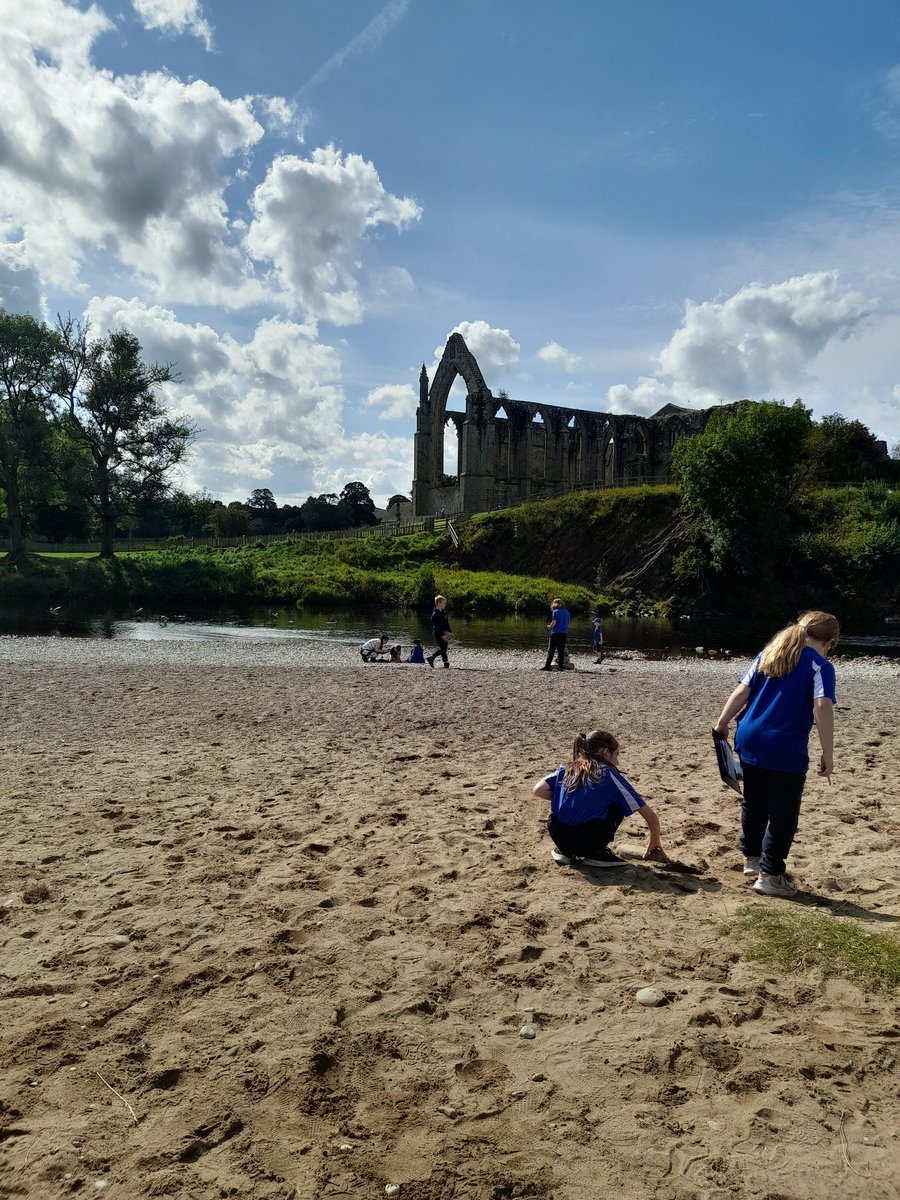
(295, 202)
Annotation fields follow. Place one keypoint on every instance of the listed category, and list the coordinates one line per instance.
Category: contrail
(370, 37)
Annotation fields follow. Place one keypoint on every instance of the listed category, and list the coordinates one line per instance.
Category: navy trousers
(770, 812)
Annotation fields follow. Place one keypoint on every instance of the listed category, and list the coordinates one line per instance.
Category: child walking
(786, 688)
(440, 630)
(589, 798)
(597, 639)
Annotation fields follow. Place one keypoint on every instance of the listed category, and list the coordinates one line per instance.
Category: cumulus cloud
(558, 356)
(758, 343)
(20, 285)
(310, 216)
(495, 349)
(270, 408)
(175, 16)
(394, 401)
(130, 164)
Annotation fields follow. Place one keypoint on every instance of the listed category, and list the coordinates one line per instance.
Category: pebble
(527, 1032)
(392, 1189)
(119, 942)
(650, 997)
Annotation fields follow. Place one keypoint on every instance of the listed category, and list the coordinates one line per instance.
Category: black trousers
(770, 813)
(587, 840)
(556, 645)
(441, 650)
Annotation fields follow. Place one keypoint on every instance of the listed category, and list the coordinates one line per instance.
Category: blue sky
(617, 205)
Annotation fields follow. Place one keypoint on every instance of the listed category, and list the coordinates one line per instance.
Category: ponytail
(782, 653)
(587, 762)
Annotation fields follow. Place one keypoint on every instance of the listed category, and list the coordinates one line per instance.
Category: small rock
(650, 997)
(119, 942)
(392, 1189)
(527, 1032)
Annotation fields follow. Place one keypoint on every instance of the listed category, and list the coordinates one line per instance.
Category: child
(396, 653)
(786, 688)
(559, 627)
(416, 654)
(374, 648)
(589, 799)
(440, 628)
(598, 641)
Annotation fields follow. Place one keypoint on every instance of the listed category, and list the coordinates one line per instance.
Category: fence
(126, 545)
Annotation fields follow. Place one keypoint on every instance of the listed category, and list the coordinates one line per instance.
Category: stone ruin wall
(511, 451)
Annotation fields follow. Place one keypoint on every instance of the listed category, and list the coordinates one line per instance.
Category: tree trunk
(16, 553)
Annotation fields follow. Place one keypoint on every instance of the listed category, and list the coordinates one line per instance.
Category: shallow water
(652, 636)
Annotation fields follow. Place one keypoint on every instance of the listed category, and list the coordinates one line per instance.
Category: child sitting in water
(589, 799)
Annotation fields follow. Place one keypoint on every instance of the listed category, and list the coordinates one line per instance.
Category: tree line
(88, 447)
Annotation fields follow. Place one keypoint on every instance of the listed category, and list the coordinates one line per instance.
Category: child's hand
(656, 853)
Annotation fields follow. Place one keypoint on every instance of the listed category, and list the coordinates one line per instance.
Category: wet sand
(272, 922)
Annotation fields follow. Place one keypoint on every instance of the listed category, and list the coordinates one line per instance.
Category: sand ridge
(272, 927)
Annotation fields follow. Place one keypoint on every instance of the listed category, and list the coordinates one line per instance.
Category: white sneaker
(561, 860)
(751, 864)
(775, 885)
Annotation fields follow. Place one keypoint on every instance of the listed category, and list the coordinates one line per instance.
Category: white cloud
(129, 164)
(758, 343)
(175, 16)
(558, 356)
(270, 408)
(494, 349)
(20, 285)
(311, 217)
(395, 401)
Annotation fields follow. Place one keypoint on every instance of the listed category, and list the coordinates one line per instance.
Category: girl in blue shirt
(589, 799)
(787, 688)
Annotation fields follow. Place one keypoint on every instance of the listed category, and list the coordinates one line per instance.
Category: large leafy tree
(27, 380)
(737, 481)
(843, 451)
(358, 505)
(113, 407)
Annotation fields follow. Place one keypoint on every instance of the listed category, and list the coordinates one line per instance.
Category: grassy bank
(624, 549)
(367, 573)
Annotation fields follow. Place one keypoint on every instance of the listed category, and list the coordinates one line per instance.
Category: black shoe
(429, 658)
(545, 668)
(605, 858)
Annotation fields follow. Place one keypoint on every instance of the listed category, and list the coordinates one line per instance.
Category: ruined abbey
(510, 451)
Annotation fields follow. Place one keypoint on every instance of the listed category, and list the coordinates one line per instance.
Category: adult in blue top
(559, 627)
(787, 688)
(589, 798)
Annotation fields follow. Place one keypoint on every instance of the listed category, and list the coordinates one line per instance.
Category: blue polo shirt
(561, 617)
(594, 799)
(773, 730)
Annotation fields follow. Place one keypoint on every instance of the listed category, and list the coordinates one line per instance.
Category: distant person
(785, 690)
(396, 653)
(597, 637)
(589, 798)
(440, 629)
(375, 649)
(416, 654)
(559, 628)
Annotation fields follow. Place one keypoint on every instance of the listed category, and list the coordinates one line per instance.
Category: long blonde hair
(587, 763)
(782, 653)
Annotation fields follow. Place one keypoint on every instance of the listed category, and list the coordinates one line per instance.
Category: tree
(845, 451)
(737, 480)
(263, 510)
(233, 521)
(324, 512)
(113, 408)
(358, 505)
(27, 376)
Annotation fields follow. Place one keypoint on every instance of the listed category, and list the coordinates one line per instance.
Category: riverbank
(274, 922)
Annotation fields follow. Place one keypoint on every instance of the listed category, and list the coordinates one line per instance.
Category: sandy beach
(271, 923)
